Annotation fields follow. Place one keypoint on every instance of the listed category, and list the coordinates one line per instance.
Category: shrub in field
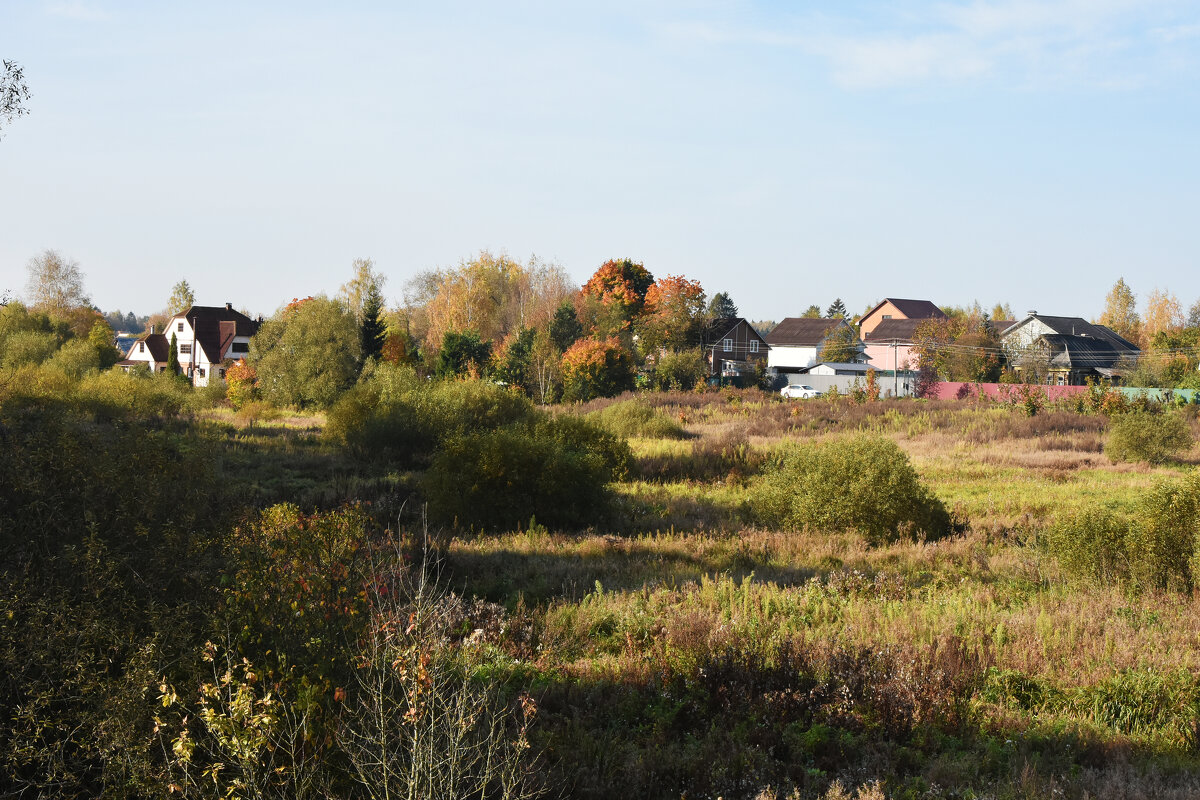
(1092, 544)
(140, 394)
(863, 483)
(682, 370)
(394, 415)
(557, 470)
(592, 368)
(635, 418)
(1158, 546)
(1144, 436)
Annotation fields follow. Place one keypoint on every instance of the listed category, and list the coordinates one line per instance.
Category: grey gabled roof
(1078, 326)
(802, 331)
(1081, 352)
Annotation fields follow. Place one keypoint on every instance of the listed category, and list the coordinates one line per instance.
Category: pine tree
(837, 309)
(372, 331)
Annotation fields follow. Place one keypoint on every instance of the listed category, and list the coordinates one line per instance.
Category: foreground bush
(1155, 548)
(109, 532)
(636, 418)
(557, 470)
(1148, 437)
(862, 483)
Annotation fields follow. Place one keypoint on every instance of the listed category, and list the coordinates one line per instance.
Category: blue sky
(1025, 152)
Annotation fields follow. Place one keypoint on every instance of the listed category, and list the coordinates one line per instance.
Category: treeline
(526, 326)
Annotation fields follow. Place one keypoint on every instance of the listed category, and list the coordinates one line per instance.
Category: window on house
(754, 345)
(141, 347)
(239, 347)
(179, 327)
(887, 316)
(185, 349)
(729, 345)
(201, 373)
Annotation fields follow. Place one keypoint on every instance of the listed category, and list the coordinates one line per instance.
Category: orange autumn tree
(594, 368)
(672, 316)
(240, 381)
(613, 297)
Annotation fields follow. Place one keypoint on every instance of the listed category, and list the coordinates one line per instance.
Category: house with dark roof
(1065, 351)
(796, 342)
(732, 347)
(895, 308)
(888, 345)
(206, 337)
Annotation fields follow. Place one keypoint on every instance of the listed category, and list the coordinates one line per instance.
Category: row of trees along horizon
(528, 325)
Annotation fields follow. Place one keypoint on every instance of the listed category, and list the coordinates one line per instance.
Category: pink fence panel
(1000, 391)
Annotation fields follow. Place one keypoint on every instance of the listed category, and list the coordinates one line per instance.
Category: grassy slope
(1068, 663)
(1084, 688)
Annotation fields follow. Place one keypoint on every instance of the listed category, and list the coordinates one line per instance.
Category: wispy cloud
(1104, 43)
(76, 10)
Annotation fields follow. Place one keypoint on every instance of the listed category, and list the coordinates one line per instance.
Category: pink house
(887, 331)
(889, 344)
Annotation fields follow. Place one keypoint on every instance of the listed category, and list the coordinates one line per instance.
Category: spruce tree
(565, 328)
(837, 309)
(372, 331)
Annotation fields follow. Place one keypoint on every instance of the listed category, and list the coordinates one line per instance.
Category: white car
(799, 390)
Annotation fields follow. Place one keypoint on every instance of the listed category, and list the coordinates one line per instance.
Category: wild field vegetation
(442, 590)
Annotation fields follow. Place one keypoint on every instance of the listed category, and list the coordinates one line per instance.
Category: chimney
(1031, 313)
(229, 306)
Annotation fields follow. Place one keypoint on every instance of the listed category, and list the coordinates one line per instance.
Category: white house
(795, 343)
(205, 338)
(1068, 350)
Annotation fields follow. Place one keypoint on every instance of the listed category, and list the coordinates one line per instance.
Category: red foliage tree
(614, 296)
(673, 311)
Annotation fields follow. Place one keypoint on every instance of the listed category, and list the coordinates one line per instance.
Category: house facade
(1065, 351)
(796, 342)
(206, 337)
(889, 344)
(733, 348)
(895, 308)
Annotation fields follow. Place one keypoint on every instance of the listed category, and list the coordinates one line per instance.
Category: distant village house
(206, 337)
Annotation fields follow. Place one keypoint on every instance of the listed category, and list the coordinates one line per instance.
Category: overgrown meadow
(437, 589)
